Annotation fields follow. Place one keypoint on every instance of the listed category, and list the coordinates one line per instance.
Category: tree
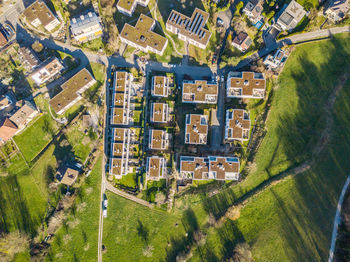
(239, 6)
(37, 46)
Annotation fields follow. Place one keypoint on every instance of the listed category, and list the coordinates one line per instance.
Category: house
(253, 10)
(6, 101)
(28, 58)
(275, 60)
(158, 139)
(7, 130)
(337, 10)
(224, 168)
(127, 7)
(72, 91)
(195, 168)
(212, 167)
(119, 157)
(121, 112)
(190, 29)
(290, 16)
(200, 92)
(38, 14)
(245, 85)
(142, 37)
(160, 86)
(68, 176)
(237, 125)
(159, 113)
(196, 130)
(46, 71)
(24, 114)
(242, 41)
(155, 168)
(86, 27)
(3, 39)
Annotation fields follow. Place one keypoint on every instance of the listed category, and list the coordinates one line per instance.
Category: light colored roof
(46, 70)
(294, 12)
(7, 130)
(69, 176)
(128, 4)
(191, 27)
(142, 35)
(83, 22)
(70, 89)
(29, 56)
(39, 10)
(22, 114)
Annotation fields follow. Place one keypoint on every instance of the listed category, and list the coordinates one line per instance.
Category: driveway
(226, 17)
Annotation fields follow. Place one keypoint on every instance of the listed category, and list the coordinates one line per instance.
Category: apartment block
(237, 125)
(155, 168)
(127, 7)
(245, 85)
(200, 91)
(196, 130)
(86, 27)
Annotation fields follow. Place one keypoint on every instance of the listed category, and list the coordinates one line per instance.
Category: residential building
(237, 125)
(24, 114)
(275, 60)
(190, 29)
(158, 139)
(196, 130)
(38, 14)
(290, 16)
(160, 86)
(3, 39)
(155, 168)
(212, 167)
(6, 101)
(28, 58)
(86, 27)
(195, 168)
(242, 42)
(245, 85)
(46, 71)
(200, 91)
(127, 7)
(7, 130)
(68, 176)
(121, 112)
(159, 113)
(253, 10)
(72, 91)
(142, 37)
(337, 10)
(119, 158)
(224, 168)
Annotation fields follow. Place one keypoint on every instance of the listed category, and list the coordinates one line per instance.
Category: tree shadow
(142, 231)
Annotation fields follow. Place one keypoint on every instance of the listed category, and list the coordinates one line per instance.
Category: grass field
(77, 239)
(35, 137)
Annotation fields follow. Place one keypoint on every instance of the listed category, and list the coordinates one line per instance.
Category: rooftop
(224, 167)
(246, 84)
(39, 10)
(118, 116)
(29, 56)
(155, 167)
(157, 139)
(242, 39)
(160, 86)
(159, 112)
(69, 176)
(196, 166)
(142, 35)
(46, 70)
(199, 91)
(191, 27)
(237, 124)
(23, 113)
(196, 129)
(119, 134)
(128, 4)
(120, 78)
(70, 89)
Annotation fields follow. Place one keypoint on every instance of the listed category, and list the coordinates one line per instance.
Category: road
(337, 219)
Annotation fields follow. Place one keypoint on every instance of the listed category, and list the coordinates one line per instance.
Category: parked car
(104, 212)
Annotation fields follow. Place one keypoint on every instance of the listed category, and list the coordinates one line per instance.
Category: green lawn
(136, 233)
(77, 239)
(35, 137)
(129, 180)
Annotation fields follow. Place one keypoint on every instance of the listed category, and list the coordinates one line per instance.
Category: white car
(105, 203)
(104, 212)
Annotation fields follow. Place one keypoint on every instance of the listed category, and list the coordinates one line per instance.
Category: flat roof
(128, 4)
(155, 166)
(247, 81)
(142, 35)
(199, 91)
(119, 134)
(196, 130)
(222, 166)
(120, 78)
(159, 112)
(191, 27)
(119, 99)
(22, 114)
(46, 70)
(70, 89)
(118, 116)
(78, 25)
(116, 166)
(118, 149)
(39, 10)
(157, 139)
(29, 56)
(69, 176)
(237, 121)
(197, 166)
(159, 86)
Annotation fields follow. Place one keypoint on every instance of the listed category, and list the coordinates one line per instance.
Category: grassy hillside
(293, 220)
(77, 239)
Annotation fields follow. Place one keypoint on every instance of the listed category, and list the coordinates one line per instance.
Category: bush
(37, 46)
(239, 6)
